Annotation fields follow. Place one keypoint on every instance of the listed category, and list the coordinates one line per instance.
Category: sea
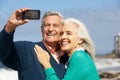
(108, 64)
(102, 65)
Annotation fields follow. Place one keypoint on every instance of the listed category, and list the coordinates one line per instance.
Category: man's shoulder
(25, 43)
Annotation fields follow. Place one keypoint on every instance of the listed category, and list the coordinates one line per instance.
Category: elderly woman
(76, 42)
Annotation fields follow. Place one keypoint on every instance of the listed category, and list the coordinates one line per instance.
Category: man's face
(51, 29)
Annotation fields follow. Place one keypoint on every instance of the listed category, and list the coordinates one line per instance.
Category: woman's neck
(72, 51)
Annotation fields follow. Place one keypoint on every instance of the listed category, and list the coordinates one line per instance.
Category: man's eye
(46, 24)
(68, 33)
(56, 25)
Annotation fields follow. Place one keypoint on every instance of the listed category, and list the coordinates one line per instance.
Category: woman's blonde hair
(83, 33)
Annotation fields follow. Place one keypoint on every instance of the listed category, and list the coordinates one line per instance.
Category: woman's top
(80, 67)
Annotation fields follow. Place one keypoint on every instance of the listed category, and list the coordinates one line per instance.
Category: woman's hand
(42, 56)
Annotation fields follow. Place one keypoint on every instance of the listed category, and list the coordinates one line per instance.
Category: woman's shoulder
(79, 53)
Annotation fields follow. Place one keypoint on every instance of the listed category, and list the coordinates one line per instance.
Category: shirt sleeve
(7, 50)
(50, 74)
(6, 41)
(77, 69)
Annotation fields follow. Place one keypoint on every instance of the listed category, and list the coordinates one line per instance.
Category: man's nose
(51, 28)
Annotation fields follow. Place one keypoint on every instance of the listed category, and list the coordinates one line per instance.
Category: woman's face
(69, 38)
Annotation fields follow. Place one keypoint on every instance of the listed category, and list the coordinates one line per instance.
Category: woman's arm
(43, 57)
(76, 68)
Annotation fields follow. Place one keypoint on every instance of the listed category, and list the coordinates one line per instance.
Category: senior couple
(65, 43)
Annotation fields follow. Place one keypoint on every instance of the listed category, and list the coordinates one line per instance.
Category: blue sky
(100, 16)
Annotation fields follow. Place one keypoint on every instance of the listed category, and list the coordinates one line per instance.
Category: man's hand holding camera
(16, 20)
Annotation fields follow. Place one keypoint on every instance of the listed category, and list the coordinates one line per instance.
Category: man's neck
(53, 49)
(52, 46)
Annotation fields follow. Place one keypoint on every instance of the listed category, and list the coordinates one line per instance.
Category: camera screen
(31, 14)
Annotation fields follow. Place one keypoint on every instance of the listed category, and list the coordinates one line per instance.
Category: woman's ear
(80, 41)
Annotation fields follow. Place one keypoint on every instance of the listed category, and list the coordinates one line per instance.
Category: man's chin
(52, 41)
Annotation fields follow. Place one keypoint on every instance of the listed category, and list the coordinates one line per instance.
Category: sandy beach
(110, 75)
(8, 74)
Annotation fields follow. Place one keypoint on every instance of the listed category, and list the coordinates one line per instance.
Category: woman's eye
(61, 33)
